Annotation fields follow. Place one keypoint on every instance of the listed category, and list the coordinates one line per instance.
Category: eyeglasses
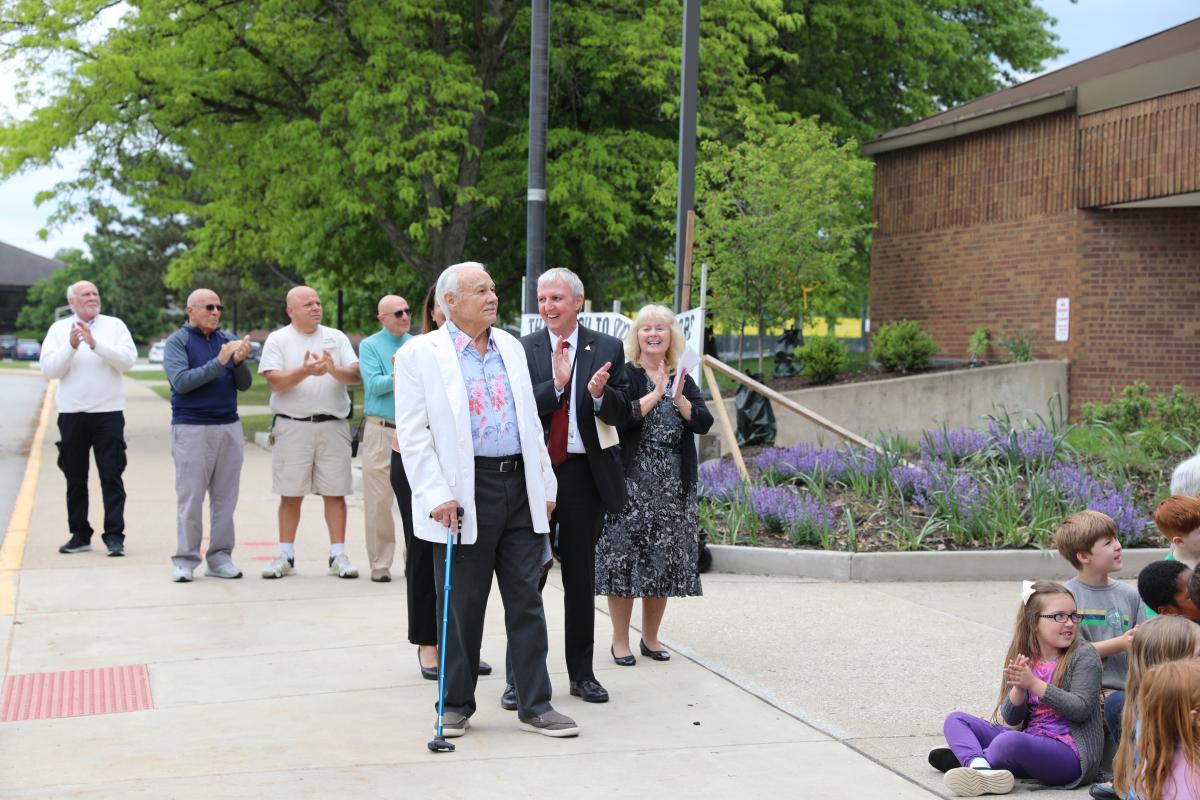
(1063, 616)
(400, 313)
(214, 307)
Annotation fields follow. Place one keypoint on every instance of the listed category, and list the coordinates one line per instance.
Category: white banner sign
(690, 322)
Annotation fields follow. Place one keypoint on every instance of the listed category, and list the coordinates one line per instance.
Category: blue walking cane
(439, 743)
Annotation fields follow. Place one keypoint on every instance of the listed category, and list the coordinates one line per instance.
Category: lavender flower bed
(1006, 487)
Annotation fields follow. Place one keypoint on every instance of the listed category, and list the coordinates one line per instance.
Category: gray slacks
(208, 458)
(508, 547)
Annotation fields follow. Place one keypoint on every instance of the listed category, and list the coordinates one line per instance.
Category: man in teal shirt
(375, 356)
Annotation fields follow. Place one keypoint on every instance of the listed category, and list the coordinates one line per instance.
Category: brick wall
(1140, 151)
(1138, 307)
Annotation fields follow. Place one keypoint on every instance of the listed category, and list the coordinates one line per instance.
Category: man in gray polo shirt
(207, 368)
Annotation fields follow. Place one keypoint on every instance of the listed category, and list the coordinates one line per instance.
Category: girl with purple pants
(1049, 705)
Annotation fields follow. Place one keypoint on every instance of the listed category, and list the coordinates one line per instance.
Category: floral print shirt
(490, 402)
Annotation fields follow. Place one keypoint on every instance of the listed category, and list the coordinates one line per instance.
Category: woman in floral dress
(650, 549)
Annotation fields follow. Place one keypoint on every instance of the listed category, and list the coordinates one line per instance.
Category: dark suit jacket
(702, 420)
(593, 350)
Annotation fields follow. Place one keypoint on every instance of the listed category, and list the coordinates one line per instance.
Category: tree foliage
(366, 145)
(781, 211)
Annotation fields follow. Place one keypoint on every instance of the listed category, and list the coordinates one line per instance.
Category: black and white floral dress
(650, 548)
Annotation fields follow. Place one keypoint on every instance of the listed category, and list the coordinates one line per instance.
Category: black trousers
(418, 565)
(507, 547)
(103, 433)
(579, 515)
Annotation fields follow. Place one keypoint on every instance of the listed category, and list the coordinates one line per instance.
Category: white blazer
(433, 430)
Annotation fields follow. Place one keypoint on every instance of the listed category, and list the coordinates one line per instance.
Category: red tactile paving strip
(77, 693)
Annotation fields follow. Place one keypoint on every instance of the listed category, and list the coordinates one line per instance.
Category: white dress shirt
(574, 441)
(89, 378)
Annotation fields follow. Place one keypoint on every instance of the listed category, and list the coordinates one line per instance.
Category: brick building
(1084, 184)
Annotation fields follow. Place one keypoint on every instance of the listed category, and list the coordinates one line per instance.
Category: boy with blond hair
(1111, 610)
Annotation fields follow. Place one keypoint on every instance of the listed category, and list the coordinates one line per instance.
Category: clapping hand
(314, 364)
(659, 376)
(1018, 673)
(228, 351)
(562, 365)
(81, 333)
(243, 350)
(599, 381)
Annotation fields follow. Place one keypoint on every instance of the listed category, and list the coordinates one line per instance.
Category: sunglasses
(401, 313)
(214, 307)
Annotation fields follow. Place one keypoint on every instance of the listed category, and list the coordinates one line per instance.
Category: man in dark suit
(578, 376)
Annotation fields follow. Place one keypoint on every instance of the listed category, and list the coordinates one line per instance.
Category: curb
(987, 565)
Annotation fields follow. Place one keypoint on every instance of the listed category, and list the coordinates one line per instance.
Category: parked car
(255, 351)
(27, 350)
(157, 349)
(8, 345)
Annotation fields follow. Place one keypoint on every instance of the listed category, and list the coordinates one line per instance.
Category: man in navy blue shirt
(207, 368)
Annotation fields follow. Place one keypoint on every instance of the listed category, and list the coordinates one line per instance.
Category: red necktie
(560, 420)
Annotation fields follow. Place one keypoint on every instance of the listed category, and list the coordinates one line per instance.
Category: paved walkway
(305, 687)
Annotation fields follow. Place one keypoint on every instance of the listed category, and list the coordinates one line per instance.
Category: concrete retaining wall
(908, 406)
(985, 565)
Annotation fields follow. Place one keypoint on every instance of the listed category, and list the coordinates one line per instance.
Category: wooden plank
(787, 403)
(726, 427)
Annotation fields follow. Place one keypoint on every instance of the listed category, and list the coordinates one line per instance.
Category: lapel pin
(587, 347)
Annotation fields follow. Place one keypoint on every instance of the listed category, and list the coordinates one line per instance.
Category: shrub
(902, 346)
(1019, 346)
(1127, 411)
(981, 340)
(823, 359)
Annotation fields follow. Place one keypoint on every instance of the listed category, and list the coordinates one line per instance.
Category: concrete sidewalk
(306, 687)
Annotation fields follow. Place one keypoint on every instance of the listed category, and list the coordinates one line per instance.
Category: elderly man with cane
(470, 438)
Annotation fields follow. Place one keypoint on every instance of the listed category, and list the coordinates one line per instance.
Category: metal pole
(686, 197)
(539, 81)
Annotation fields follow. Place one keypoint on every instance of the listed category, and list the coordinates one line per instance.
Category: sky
(1085, 28)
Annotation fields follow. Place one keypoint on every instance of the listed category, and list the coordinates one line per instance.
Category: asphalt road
(22, 398)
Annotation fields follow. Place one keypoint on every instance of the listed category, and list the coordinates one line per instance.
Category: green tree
(352, 143)
(867, 66)
(781, 210)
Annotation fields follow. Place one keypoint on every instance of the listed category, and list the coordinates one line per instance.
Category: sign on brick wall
(1062, 319)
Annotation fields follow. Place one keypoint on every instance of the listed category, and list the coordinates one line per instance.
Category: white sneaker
(967, 782)
(226, 570)
(182, 575)
(282, 565)
(340, 565)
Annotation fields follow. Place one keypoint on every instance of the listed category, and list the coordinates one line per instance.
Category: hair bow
(1026, 591)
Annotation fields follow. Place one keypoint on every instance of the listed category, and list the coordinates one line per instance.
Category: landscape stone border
(981, 565)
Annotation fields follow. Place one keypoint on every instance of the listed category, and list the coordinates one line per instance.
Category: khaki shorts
(311, 458)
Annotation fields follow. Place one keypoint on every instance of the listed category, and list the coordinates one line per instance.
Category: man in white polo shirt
(308, 367)
(87, 352)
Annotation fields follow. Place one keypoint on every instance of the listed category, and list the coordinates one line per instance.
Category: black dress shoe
(484, 667)
(428, 673)
(116, 550)
(622, 661)
(508, 700)
(1103, 791)
(657, 655)
(589, 690)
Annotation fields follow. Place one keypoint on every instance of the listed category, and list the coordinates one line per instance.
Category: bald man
(376, 354)
(308, 367)
(206, 367)
(87, 352)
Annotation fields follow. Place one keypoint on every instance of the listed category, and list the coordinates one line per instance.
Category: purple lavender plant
(801, 459)
(1028, 445)
(949, 492)
(1080, 490)
(782, 508)
(721, 481)
(951, 445)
